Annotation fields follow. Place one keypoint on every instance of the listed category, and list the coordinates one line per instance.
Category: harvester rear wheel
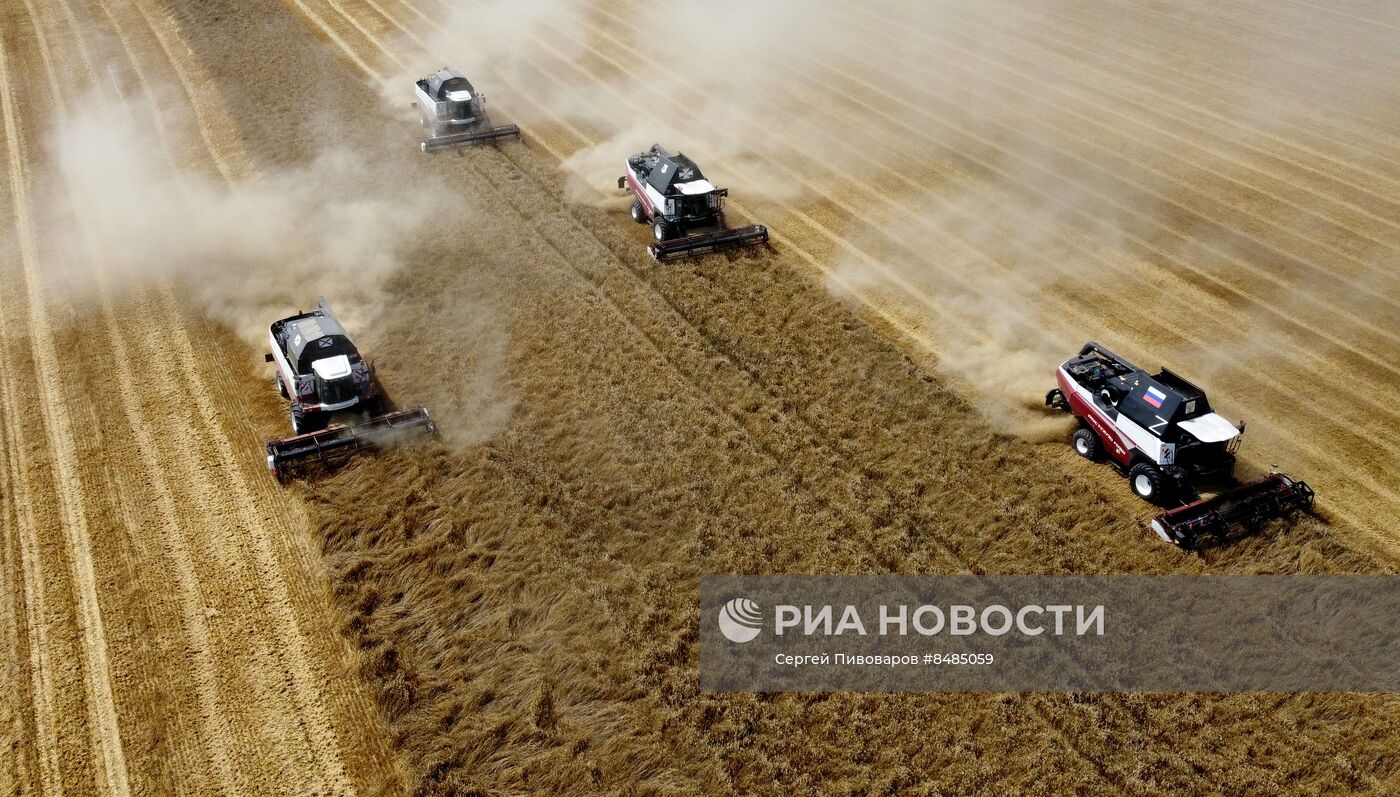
(639, 213)
(1149, 483)
(281, 386)
(1086, 444)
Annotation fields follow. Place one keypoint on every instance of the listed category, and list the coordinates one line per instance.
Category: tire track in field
(103, 727)
(30, 712)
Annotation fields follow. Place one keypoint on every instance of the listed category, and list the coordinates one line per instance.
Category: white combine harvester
(454, 113)
(323, 377)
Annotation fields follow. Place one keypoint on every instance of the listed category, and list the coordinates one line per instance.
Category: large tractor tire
(639, 213)
(663, 231)
(307, 422)
(282, 387)
(1086, 444)
(1150, 484)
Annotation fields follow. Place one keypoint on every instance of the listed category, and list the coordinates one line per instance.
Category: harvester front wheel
(663, 231)
(1148, 481)
(1086, 444)
(639, 213)
(306, 422)
(281, 386)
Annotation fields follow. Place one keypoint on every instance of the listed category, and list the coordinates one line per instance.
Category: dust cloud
(122, 218)
(700, 67)
(246, 253)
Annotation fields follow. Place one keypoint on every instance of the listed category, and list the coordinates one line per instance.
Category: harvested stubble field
(961, 194)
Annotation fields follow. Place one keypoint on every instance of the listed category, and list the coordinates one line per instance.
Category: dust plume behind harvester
(686, 211)
(325, 379)
(454, 113)
(1160, 430)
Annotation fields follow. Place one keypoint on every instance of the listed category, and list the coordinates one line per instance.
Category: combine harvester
(1159, 429)
(322, 375)
(686, 211)
(454, 114)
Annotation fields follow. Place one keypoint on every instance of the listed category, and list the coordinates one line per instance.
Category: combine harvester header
(291, 456)
(1160, 430)
(1247, 506)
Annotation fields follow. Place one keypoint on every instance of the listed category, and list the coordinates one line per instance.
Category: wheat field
(960, 195)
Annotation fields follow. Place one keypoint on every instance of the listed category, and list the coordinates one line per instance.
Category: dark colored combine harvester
(1160, 430)
(324, 378)
(686, 211)
(454, 113)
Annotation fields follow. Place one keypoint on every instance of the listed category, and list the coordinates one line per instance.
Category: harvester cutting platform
(454, 113)
(323, 376)
(686, 211)
(1160, 430)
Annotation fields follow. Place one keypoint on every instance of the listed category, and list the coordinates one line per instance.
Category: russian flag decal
(1154, 397)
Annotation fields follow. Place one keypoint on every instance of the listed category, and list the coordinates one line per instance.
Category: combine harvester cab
(322, 375)
(1159, 429)
(686, 211)
(454, 113)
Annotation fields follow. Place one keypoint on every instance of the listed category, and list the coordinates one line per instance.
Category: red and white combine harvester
(324, 378)
(686, 211)
(1160, 430)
